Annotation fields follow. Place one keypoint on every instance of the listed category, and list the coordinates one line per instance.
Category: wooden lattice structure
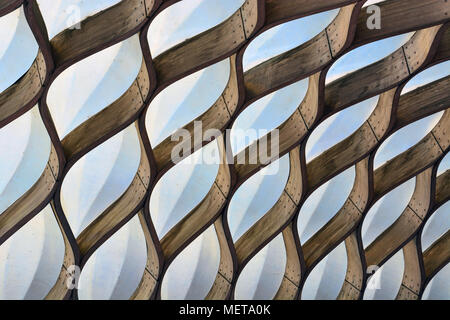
(429, 46)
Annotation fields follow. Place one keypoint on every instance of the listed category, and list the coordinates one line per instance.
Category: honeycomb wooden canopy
(386, 78)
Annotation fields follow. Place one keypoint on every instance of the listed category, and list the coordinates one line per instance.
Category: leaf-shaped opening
(338, 127)
(186, 19)
(385, 282)
(18, 47)
(256, 196)
(99, 178)
(263, 274)
(385, 211)
(324, 203)
(438, 287)
(285, 37)
(326, 279)
(32, 258)
(266, 114)
(405, 138)
(436, 226)
(116, 267)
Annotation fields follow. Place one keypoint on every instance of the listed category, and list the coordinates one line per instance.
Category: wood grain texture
(119, 212)
(221, 288)
(32, 201)
(442, 188)
(147, 286)
(202, 216)
(392, 239)
(437, 255)
(215, 118)
(400, 18)
(352, 287)
(281, 11)
(412, 273)
(209, 46)
(289, 287)
(7, 6)
(274, 220)
(345, 220)
(97, 31)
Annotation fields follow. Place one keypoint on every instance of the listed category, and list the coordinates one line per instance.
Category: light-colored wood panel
(392, 238)
(23, 93)
(338, 32)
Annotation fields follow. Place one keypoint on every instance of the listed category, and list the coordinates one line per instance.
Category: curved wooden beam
(147, 287)
(8, 6)
(295, 266)
(221, 288)
(205, 48)
(100, 31)
(312, 59)
(25, 93)
(201, 217)
(345, 220)
(399, 18)
(437, 256)
(276, 219)
(354, 278)
(278, 12)
(384, 74)
(119, 212)
(216, 117)
(61, 289)
(314, 55)
(412, 218)
(412, 274)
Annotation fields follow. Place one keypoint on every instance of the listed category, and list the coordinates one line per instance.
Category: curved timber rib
(429, 46)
